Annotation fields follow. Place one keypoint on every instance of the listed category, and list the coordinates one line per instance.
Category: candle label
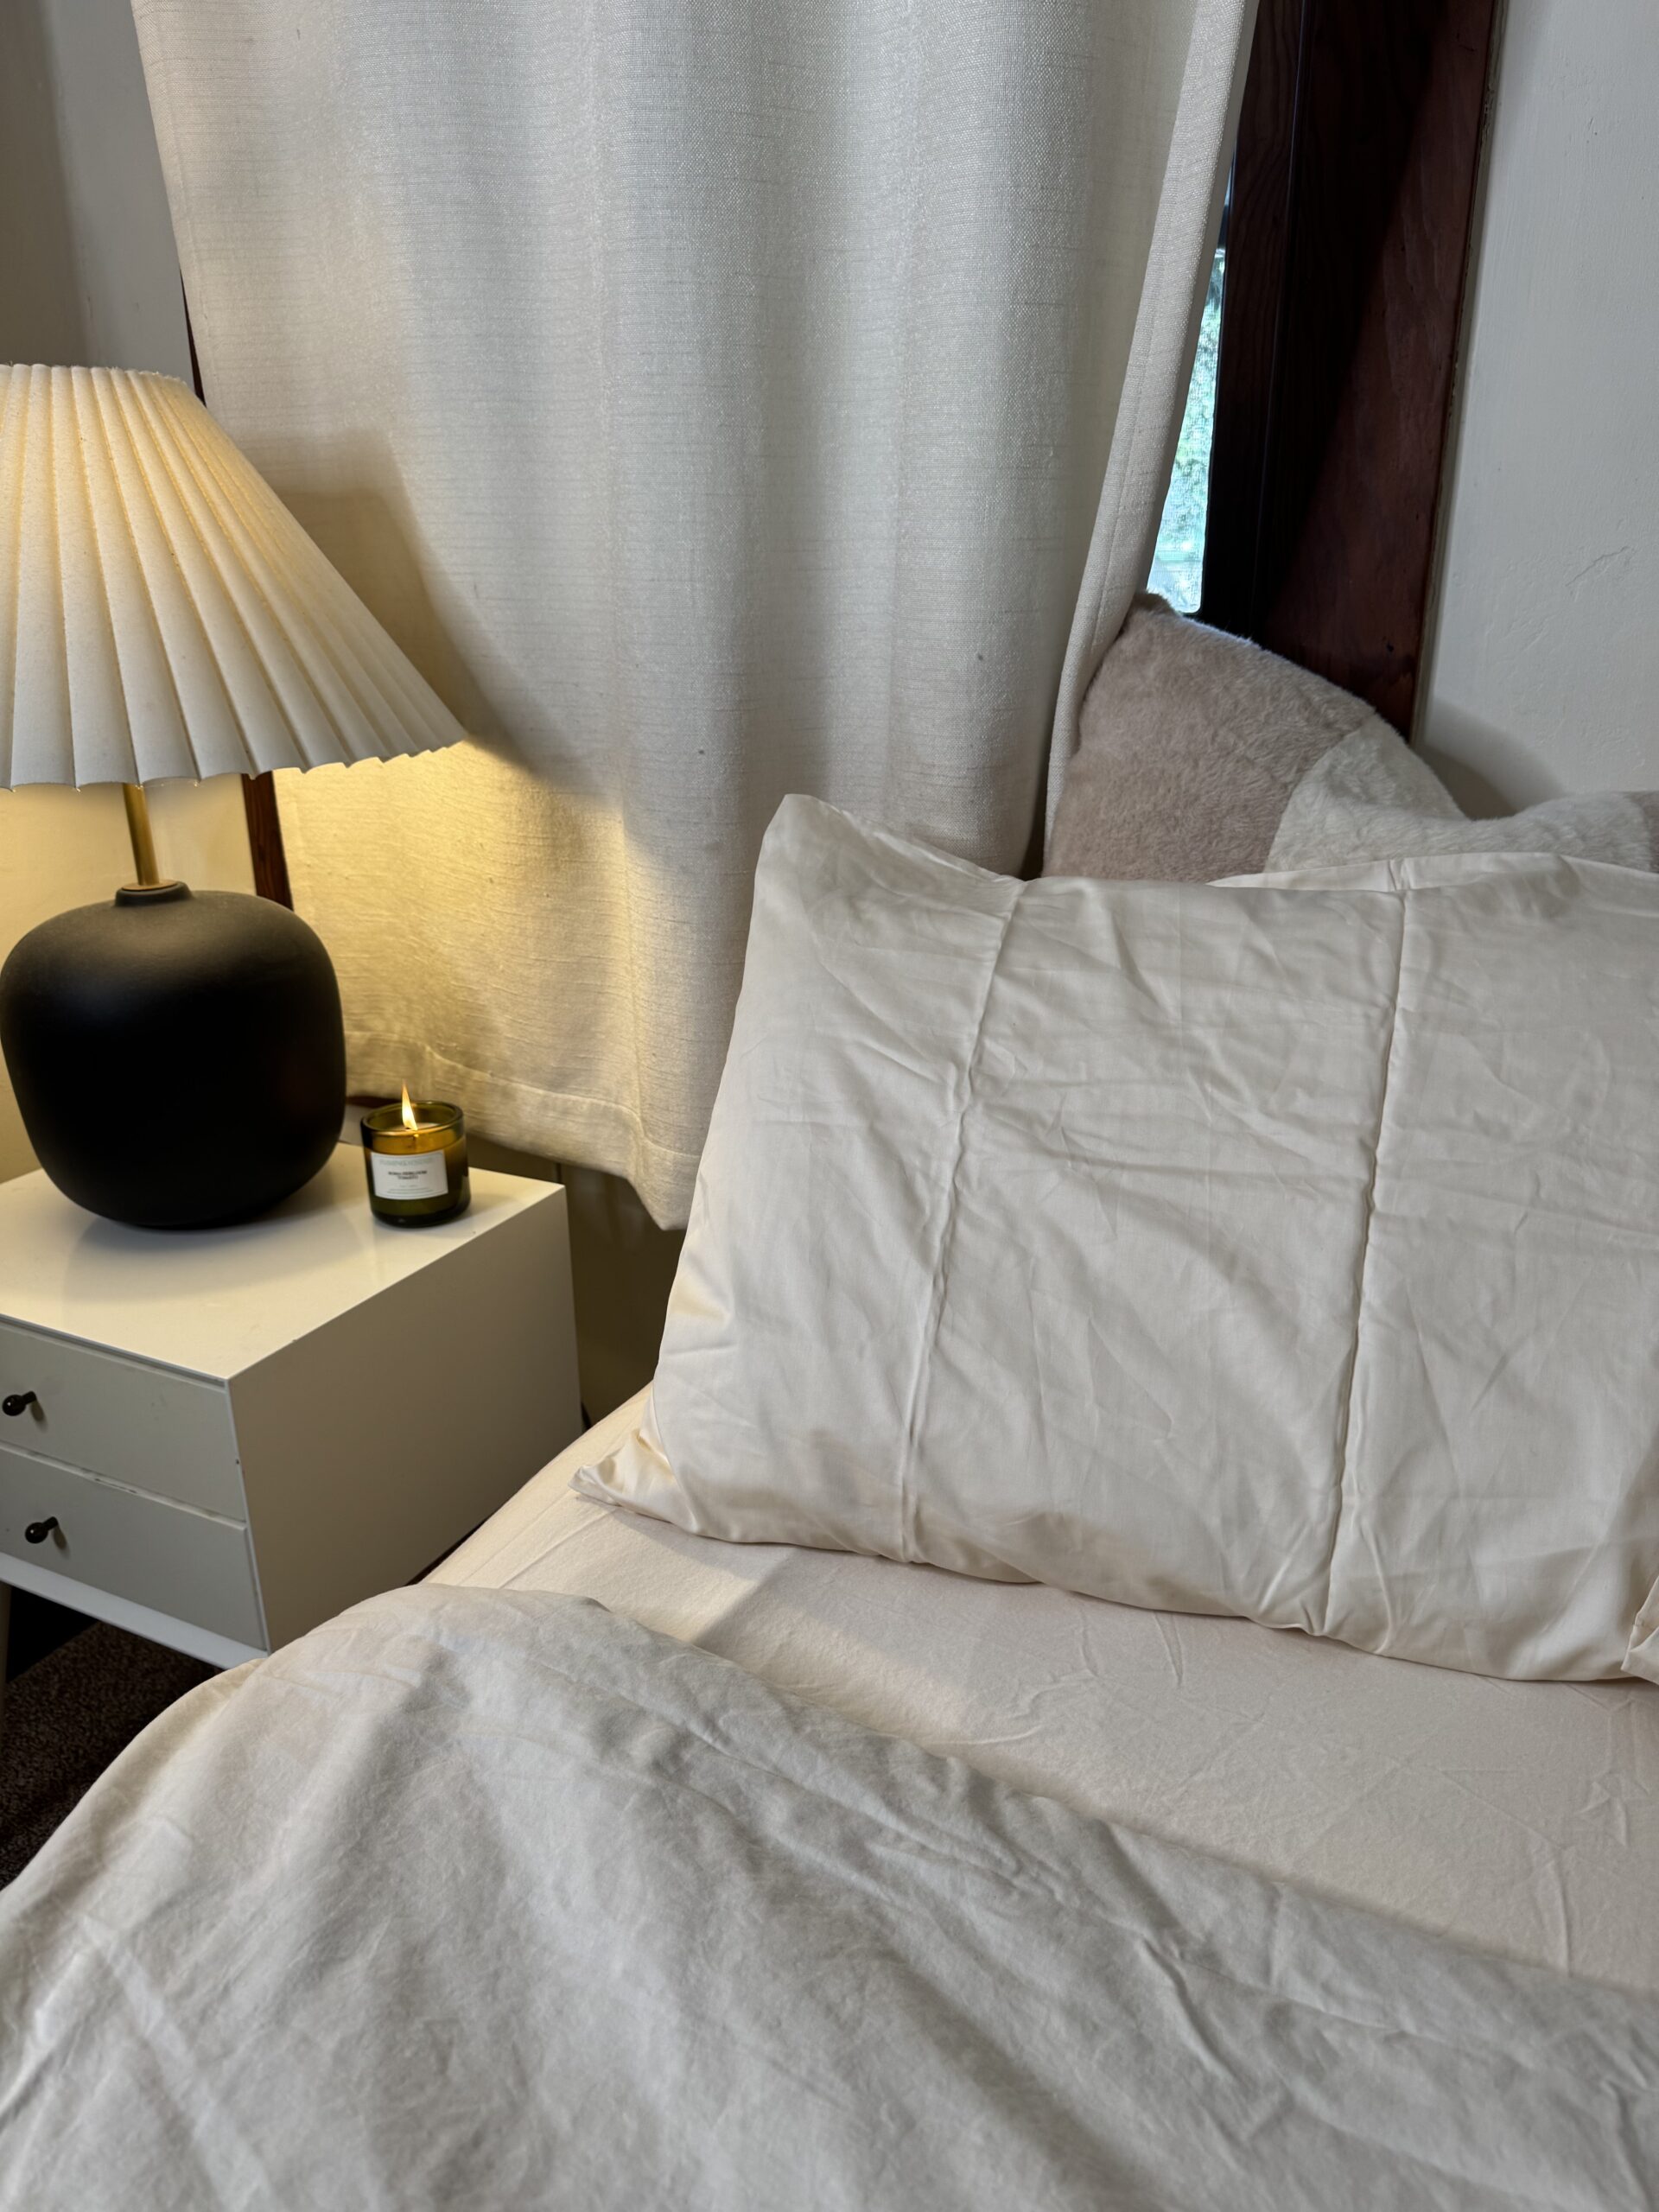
(409, 1175)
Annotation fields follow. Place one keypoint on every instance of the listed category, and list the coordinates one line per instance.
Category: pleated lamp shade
(178, 1057)
(161, 614)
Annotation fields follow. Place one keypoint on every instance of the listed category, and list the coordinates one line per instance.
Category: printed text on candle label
(409, 1175)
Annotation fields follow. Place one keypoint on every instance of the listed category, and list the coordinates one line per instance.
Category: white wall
(1544, 668)
(88, 270)
(88, 273)
(126, 265)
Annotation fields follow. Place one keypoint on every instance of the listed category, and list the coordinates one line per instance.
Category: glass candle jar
(418, 1171)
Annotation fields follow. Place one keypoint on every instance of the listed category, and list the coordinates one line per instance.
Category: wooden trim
(258, 793)
(265, 839)
(1252, 306)
(1348, 241)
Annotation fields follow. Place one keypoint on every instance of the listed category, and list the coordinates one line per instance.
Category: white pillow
(1279, 1251)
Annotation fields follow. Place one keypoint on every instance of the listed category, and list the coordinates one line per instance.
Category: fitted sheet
(1522, 1818)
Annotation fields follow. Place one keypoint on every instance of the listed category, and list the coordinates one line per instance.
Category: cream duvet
(477, 1899)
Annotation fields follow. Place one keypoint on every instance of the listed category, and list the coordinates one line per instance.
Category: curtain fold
(715, 401)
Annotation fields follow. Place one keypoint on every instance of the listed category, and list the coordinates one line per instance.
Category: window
(1178, 564)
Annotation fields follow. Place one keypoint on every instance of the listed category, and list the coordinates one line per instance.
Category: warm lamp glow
(163, 615)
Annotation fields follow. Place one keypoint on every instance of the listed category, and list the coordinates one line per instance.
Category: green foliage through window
(1178, 564)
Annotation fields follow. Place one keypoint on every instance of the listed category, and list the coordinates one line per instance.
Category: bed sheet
(1522, 1818)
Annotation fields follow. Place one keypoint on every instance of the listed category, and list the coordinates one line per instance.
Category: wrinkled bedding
(1282, 1249)
(494, 1899)
(1521, 1818)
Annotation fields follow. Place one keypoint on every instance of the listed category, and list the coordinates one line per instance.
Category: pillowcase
(1285, 1252)
(1200, 755)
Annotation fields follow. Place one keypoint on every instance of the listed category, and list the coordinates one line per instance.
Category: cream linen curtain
(717, 400)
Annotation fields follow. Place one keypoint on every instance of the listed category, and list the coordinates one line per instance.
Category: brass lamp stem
(143, 843)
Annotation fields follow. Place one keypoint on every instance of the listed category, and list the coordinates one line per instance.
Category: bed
(1522, 1818)
(620, 1864)
(512, 1890)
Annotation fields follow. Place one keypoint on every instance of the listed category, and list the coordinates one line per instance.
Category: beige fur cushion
(1203, 756)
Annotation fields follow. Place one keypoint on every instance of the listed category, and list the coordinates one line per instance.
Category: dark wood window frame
(1353, 200)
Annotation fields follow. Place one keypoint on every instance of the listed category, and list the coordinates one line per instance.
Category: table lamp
(178, 1057)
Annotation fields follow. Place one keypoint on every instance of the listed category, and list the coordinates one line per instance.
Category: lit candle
(415, 1155)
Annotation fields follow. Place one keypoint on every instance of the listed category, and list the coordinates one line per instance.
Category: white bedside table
(234, 1432)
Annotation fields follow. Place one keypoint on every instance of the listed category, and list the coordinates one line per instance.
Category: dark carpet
(67, 1715)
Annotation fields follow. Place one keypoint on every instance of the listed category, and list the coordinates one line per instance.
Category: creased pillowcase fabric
(1289, 1251)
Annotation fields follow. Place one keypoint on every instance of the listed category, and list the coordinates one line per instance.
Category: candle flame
(409, 1121)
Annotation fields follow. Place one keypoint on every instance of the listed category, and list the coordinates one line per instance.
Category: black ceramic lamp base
(178, 1057)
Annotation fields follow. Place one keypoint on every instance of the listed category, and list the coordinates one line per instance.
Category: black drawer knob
(38, 1531)
(18, 1402)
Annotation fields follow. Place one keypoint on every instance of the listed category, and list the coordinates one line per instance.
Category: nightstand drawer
(147, 1426)
(185, 1564)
